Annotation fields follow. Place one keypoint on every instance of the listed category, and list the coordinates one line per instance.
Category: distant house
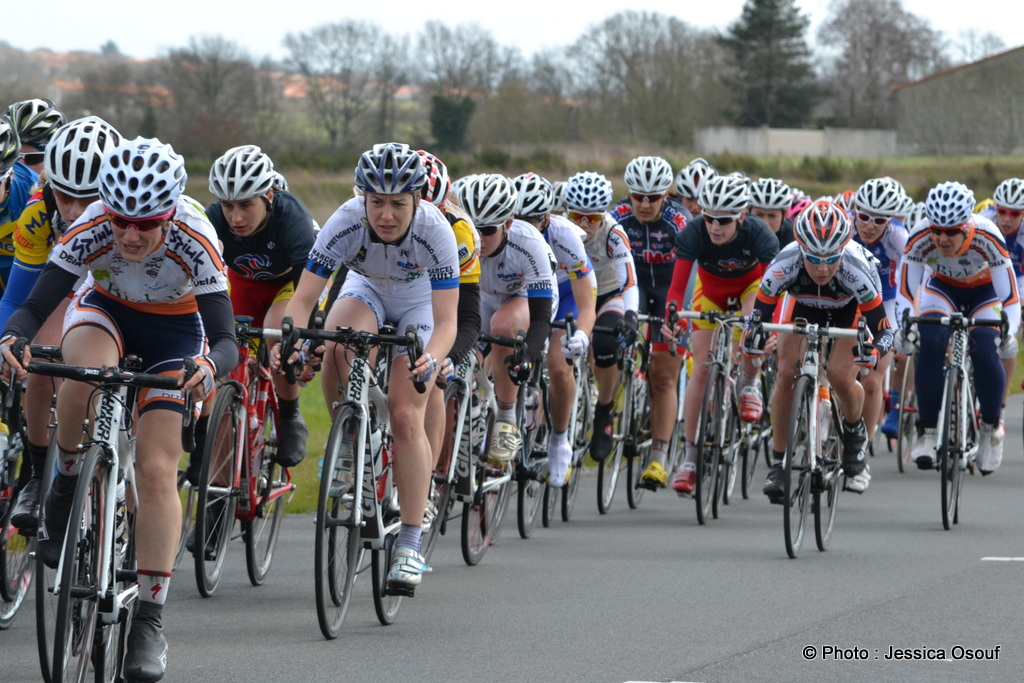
(976, 108)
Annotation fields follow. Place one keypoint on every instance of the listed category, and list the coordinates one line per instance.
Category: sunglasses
(1012, 213)
(721, 220)
(936, 230)
(577, 216)
(640, 198)
(33, 158)
(818, 260)
(868, 218)
(488, 230)
(140, 224)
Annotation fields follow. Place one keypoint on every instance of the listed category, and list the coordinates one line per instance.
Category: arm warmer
(540, 327)
(468, 320)
(53, 284)
(219, 322)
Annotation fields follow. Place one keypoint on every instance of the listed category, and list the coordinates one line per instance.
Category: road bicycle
(357, 507)
(959, 421)
(718, 436)
(609, 469)
(238, 478)
(637, 406)
(813, 460)
(84, 607)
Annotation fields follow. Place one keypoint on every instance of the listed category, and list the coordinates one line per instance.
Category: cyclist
(403, 268)
(830, 281)
(730, 248)
(651, 226)
(71, 183)
(770, 198)
(517, 292)
(969, 270)
(1007, 212)
(155, 284)
(16, 183)
(587, 197)
(878, 205)
(266, 236)
(576, 293)
(36, 120)
(688, 183)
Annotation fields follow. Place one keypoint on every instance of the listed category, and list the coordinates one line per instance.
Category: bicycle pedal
(400, 590)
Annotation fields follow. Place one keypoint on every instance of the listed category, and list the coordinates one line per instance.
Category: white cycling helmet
(1009, 194)
(142, 178)
(915, 215)
(558, 193)
(725, 193)
(10, 146)
(242, 173)
(75, 154)
(36, 120)
(692, 176)
(438, 184)
(648, 175)
(280, 182)
(822, 229)
(390, 168)
(536, 198)
(949, 204)
(588, 192)
(771, 193)
(881, 196)
(489, 199)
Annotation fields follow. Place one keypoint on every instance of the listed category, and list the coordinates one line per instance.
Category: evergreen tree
(773, 82)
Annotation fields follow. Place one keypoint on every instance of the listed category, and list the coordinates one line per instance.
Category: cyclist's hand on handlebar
(447, 370)
(1007, 347)
(8, 348)
(424, 368)
(676, 332)
(754, 339)
(865, 356)
(520, 373)
(201, 383)
(905, 343)
(575, 346)
(627, 330)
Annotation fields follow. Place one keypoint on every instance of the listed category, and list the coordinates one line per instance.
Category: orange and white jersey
(185, 264)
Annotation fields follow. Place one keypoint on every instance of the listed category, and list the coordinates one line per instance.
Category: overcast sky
(146, 29)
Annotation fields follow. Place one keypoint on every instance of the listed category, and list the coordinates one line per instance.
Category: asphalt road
(644, 595)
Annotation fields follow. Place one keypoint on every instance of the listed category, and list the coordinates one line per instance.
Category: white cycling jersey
(524, 267)
(187, 262)
(612, 259)
(857, 278)
(566, 241)
(427, 253)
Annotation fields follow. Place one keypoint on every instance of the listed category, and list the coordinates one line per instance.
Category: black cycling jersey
(653, 244)
(754, 243)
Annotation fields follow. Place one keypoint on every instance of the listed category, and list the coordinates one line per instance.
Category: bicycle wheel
(608, 469)
(112, 639)
(385, 604)
(638, 445)
(677, 444)
(550, 505)
(530, 475)
(261, 532)
(442, 481)
(907, 430)
(338, 542)
(828, 485)
(583, 432)
(952, 447)
(188, 495)
(796, 481)
(710, 428)
(216, 501)
(729, 461)
(76, 616)
(45, 579)
(757, 438)
(482, 519)
(15, 570)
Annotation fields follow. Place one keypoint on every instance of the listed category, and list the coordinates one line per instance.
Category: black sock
(777, 457)
(37, 457)
(288, 408)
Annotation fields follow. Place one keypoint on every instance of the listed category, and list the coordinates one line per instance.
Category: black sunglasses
(488, 230)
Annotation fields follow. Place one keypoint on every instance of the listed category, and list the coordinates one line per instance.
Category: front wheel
(952, 448)
(483, 517)
(15, 550)
(796, 481)
(385, 604)
(710, 426)
(272, 488)
(456, 412)
(828, 484)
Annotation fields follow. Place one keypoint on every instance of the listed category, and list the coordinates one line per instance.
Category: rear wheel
(908, 416)
(385, 604)
(828, 486)
(442, 480)
(796, 480)
(530, 474)
(15, 550)
(45, 580)
(608, 469)
(188, 494)
(757, 439)
(729, 463)
(638, 441)
(583, 432)
(216, 499)
(260, 533)
(709, 440)
(482, 519)
(338, 545)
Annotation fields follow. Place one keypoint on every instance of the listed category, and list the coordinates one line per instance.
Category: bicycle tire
(77, 606)
(112, 639)
(45, 579)
(530, 475)
(442, 479)
(608, 470)
(583, 433)
(261, 532)
(907, 424)
(639, 442)
(15, 549)
(550, 505)
(728, 462)
(710, 426)
(482, 519)
(758, 439)
(677, 444)
(796, 480)
(951, 449)
(216, 502)
(826, 494)
(385, 604)
(338, 545)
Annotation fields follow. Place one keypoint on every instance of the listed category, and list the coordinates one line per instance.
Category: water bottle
(824, 413)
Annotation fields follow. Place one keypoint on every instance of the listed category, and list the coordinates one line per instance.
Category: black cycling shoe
(215, 513)
(291, 441)
(775, 485)
(854, 440)
(145, 659)
(601, 443)
(25, 514)
(56, 512)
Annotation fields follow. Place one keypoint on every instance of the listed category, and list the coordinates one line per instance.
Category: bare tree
(391, 72)
(22, 76)
(872, 46)
(974, 44)
(464, 60)
(214, 85)
(337, 61)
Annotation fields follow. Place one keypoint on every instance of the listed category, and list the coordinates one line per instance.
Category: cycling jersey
(35, 233)
(566, 242)
(1014, 245)
(653, 244)
(887, 250)
(427, 249)
(275, 253)
(608, 250)
(20, 186)
(857, 279)
(467, 243)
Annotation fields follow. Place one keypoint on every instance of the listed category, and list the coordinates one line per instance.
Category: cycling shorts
(254, 298)
(412, 307)
(723, 298)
